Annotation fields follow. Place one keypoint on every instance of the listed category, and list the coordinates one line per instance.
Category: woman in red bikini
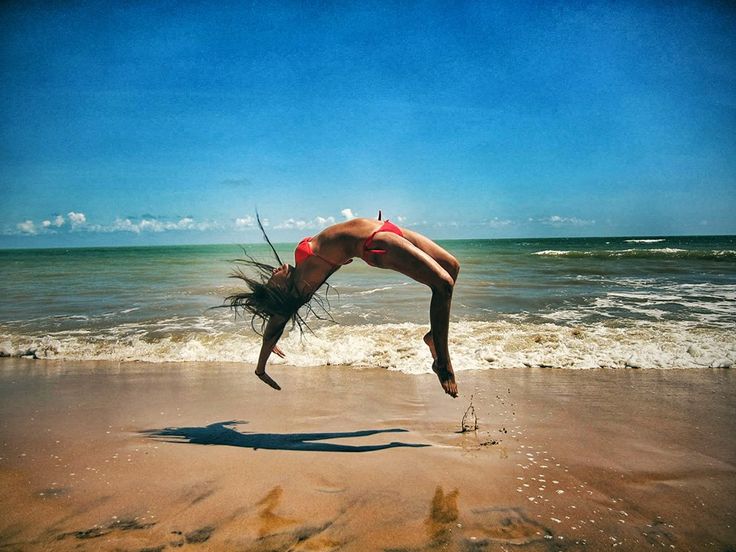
(277, 294)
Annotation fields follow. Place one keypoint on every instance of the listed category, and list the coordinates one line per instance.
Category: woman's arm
(271, 335)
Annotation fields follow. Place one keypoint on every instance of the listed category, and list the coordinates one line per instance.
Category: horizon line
(142, 246)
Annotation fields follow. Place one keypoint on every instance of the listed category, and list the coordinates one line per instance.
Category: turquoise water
(577, 303)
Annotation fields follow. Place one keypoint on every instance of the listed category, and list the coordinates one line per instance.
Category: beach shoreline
(137, 456)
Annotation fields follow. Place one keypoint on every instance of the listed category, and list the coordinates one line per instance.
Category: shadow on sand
(219, 434)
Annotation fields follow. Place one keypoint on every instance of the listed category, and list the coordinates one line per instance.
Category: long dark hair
(262, 301)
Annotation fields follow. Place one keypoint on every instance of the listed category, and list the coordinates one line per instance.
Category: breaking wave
(475, 345)
(648, 240)
(643, 253)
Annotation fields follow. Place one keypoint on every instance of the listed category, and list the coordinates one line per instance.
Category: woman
(278, 294)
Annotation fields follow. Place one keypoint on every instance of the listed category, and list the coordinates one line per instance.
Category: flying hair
(265, 237)
(262, 301)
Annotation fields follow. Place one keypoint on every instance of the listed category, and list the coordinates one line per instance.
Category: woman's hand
(264, 377)
(274, 329)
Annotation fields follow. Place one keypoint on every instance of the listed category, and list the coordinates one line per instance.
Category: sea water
(646, 302)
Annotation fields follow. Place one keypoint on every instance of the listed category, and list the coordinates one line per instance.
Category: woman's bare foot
(447, 379)
(264, 377)
(429, 340)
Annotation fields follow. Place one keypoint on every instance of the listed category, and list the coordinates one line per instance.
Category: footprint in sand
(505, 525)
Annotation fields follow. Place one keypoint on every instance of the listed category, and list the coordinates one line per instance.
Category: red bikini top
(304, 250)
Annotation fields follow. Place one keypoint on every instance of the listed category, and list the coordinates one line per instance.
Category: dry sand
(346, 459)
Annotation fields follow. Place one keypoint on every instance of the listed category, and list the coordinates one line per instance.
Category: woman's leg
(439, 254)
(405, 257)
(443, 258)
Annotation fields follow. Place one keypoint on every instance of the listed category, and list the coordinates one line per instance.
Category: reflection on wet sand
(479, 529)
(271, 521)
(278, 532)
(442, 516)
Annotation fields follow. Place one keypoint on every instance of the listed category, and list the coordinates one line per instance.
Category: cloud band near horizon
(77, 221)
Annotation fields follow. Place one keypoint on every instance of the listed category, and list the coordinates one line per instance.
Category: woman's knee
(453, 268)
(443, 284)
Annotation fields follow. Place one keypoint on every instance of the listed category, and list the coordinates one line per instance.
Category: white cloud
(27, 227)
(557, 220)
(57, 221)
(79, 223)
(246, 222)
(121, 225)
(149, 224)
(76, 218)
(291, 223)
(496, 222)
(301, 224)
(347, 213)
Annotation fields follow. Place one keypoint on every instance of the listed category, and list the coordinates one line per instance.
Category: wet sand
(109, 456)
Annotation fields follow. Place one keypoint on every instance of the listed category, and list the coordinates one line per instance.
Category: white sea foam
(645, 296)
(553, 253)
(474, 345)
(704, 303)
(664, 250)
(384, 288)
(652, 240)
(636, 252)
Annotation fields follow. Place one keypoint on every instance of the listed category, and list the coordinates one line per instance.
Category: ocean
(577, 303)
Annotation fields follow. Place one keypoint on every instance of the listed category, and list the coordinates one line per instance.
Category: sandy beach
(109, 456)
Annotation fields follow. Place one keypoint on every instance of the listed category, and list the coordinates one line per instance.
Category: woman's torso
(333, 247)
(343, 241)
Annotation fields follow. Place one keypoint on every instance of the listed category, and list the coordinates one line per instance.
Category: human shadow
(219, 434)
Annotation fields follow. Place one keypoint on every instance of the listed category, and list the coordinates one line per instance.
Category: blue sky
(171, 122)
